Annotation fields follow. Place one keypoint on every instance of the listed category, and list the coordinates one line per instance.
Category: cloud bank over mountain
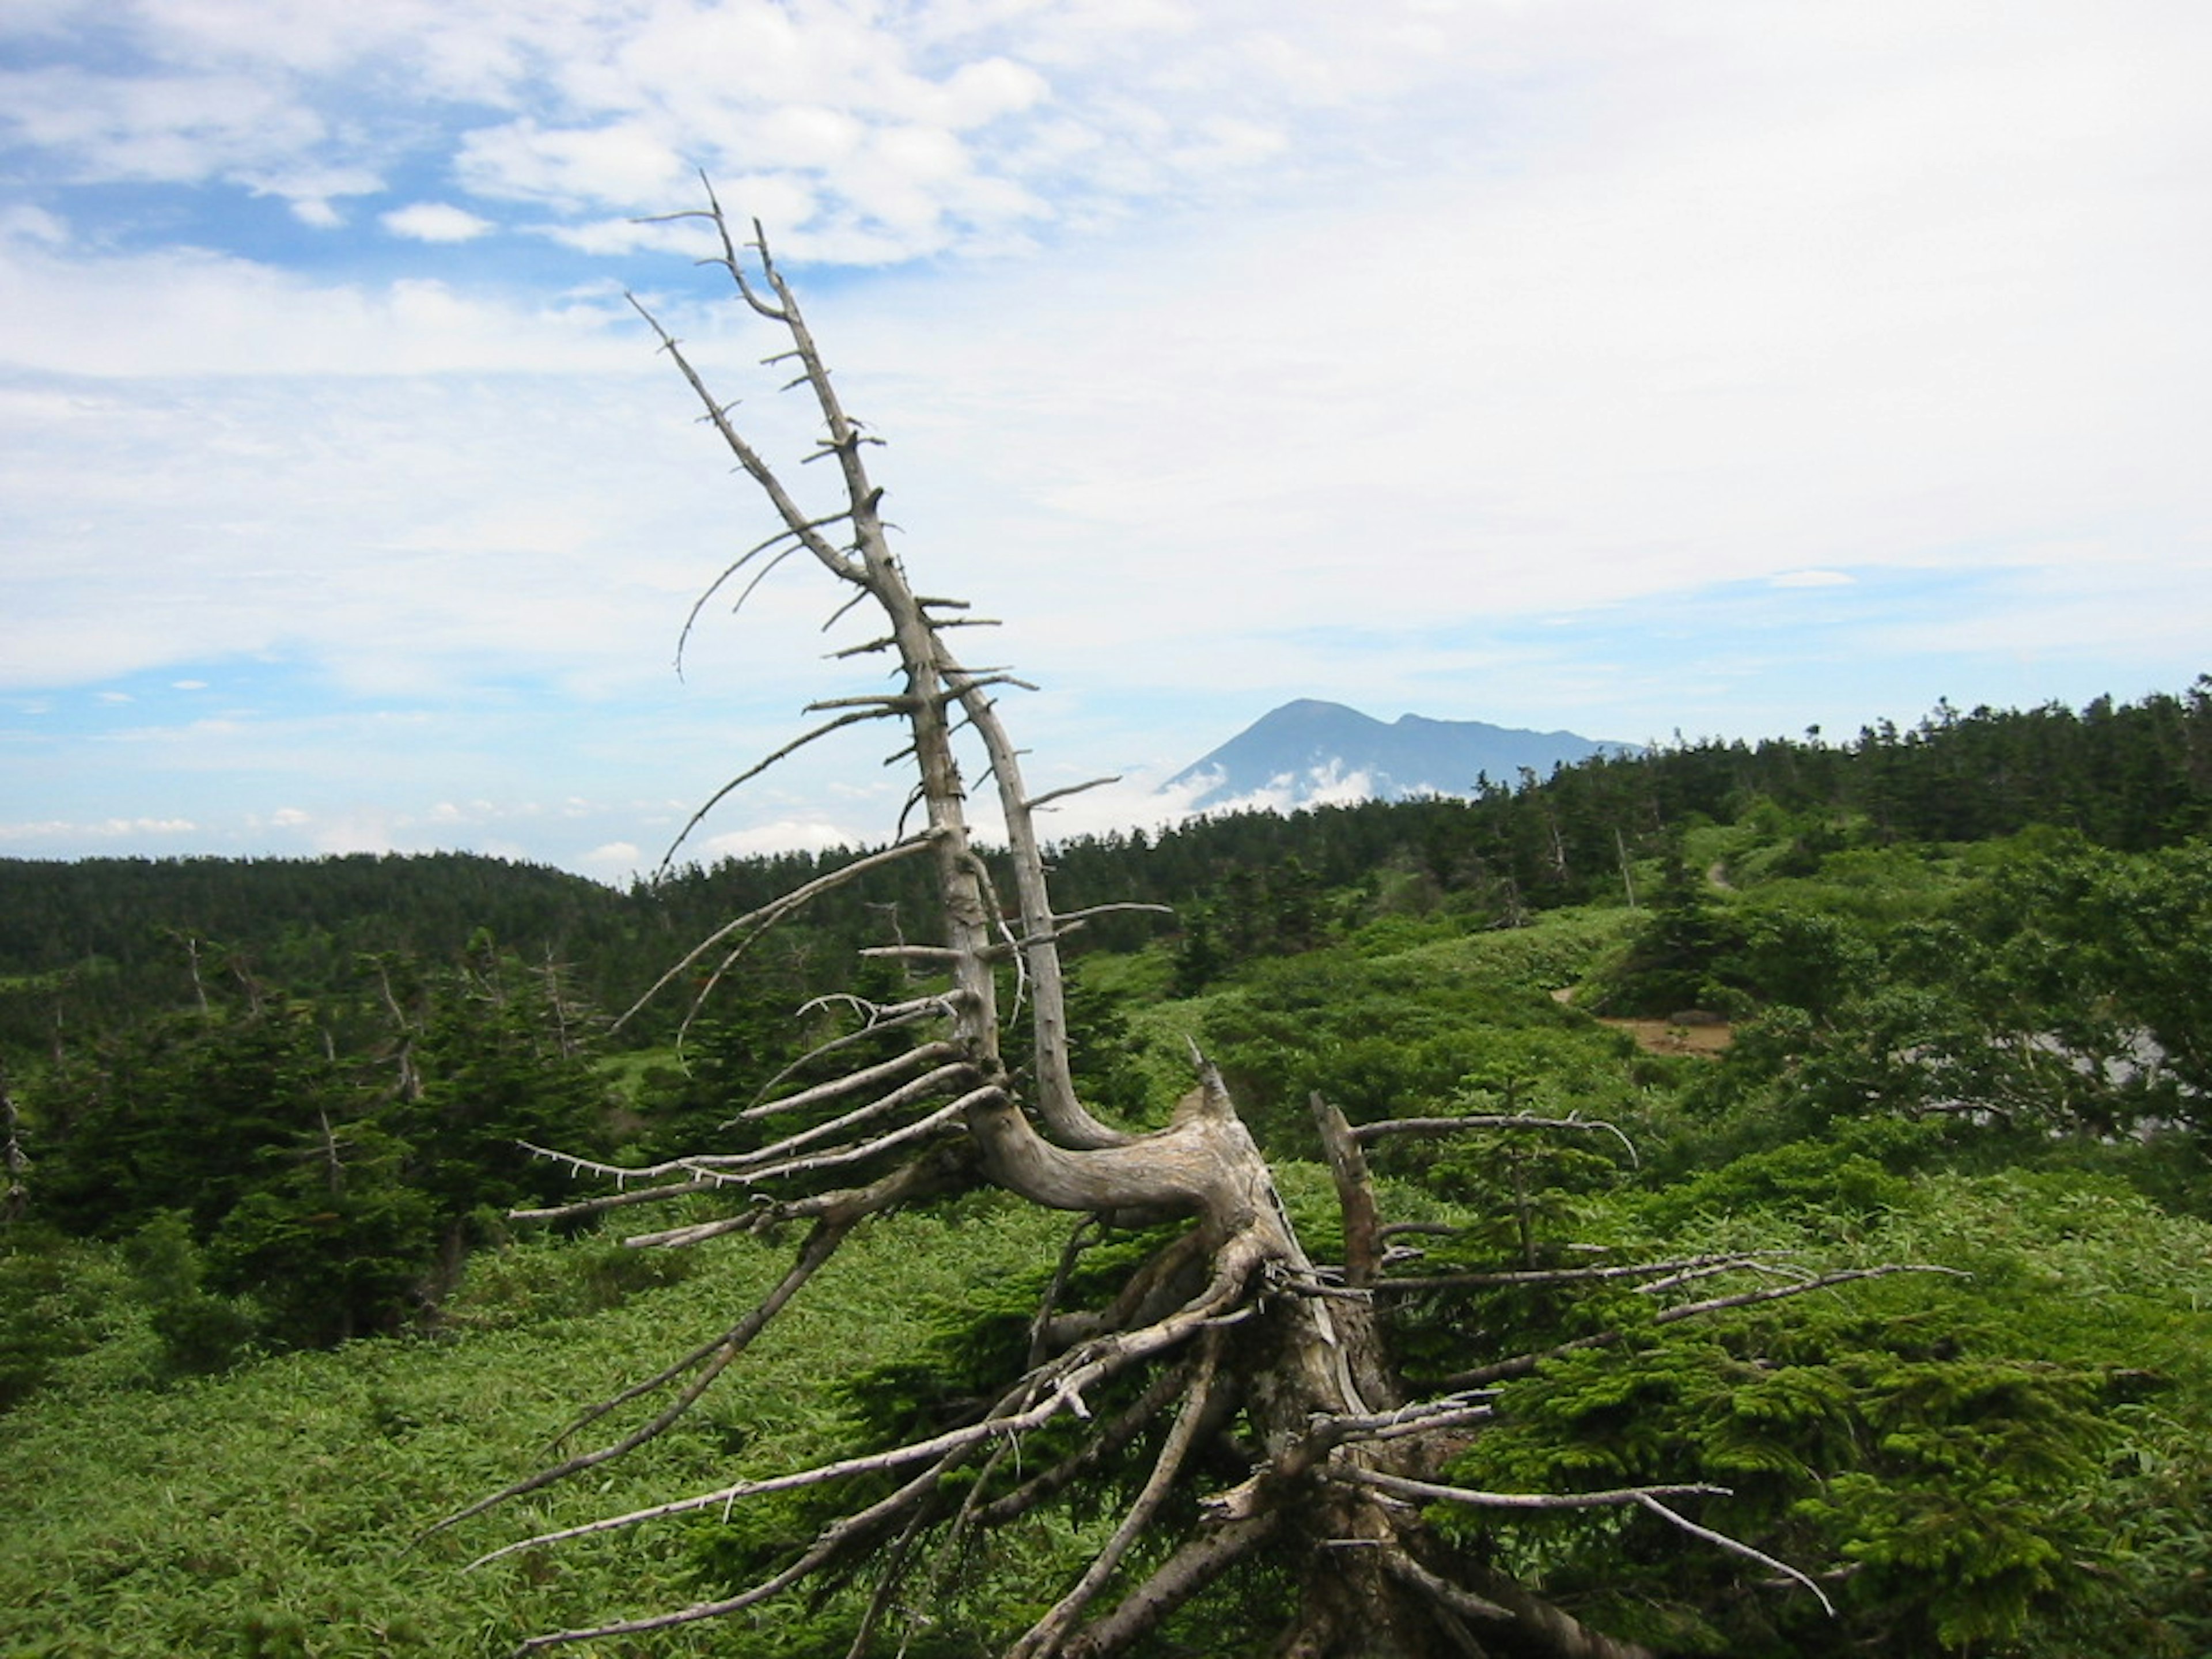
(1309, 753)
(1634, 368)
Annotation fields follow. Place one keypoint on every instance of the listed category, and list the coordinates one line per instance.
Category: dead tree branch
(1281, 1422)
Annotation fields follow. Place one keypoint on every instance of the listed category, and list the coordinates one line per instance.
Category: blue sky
(1717, 368)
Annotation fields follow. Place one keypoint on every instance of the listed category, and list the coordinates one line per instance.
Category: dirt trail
(1705, 1034)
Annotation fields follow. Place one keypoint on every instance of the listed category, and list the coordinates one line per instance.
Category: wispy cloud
(1599, 364)
(37, 833)
(436, 221)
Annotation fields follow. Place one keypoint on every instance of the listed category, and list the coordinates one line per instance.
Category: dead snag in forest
(1246, 1398)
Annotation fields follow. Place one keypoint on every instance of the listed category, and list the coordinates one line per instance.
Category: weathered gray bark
(1229, 1321)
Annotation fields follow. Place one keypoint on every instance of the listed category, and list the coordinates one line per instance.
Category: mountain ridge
(1309, 750)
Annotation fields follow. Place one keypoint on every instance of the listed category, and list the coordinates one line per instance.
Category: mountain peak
(1309, 752)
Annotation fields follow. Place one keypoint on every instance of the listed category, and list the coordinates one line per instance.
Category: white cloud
(163, 128)
(911, 132)
(311, 189)
(1263, 349)
(625, 237)
(1326, 785)
(615, 860)
(103, 830)
(185, 312)
(781, 835)
(364, 831)
(621, 163)
(22, 222)
(435, 222)
(980, 93)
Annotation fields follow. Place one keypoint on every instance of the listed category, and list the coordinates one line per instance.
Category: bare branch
(1690, 1271)
(1036, 801)
(830, 1543)
(1198, 1563)
(1423, 1417)
(1109, 1438)
(1067, 921)
(799, 523)
(1355, 1193)
(700, 603)
(1522, 1365)
(876, 1020)
(605, 1201)
(1735, 1546)
(921, 1130)
(1465, 1602)
(1429, 1491)
(1676, 1270)
(893, 1577)
(1070, 1254)
(918, 1088)
(1064, 1116)
(1546, 1626)
(943, 1170)
(1043, 1637)
(852, 1082)
(768, 914)
(854, 717)
(1448, 1126)
(842, 1210)
(819, 1248)
(1062, 1387)
(1825, 1281)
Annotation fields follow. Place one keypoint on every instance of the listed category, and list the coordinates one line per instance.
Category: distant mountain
(1309, 752)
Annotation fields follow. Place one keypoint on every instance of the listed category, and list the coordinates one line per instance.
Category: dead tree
(1260, 1386)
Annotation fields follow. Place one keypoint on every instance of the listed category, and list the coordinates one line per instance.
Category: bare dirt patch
(1660, 1037)
(1694, 1034)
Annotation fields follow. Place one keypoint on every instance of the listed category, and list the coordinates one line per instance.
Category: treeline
(106, 941)
(1967, 967)
(2129, 777)
(295, 1089)
(280, 1171)
(96, 944)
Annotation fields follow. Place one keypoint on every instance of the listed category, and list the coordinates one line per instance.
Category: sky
(1710, 367)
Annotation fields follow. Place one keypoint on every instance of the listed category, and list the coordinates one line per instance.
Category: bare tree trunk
(14, 1162)
(1231, 1321)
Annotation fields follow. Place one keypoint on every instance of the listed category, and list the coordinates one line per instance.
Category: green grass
(270, 1512)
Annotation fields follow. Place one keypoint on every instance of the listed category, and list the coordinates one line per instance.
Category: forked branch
(1258, 1374)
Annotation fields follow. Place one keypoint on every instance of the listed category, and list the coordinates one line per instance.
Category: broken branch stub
(1291, 1437)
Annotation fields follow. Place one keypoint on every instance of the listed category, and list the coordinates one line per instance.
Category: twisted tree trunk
(1273, 1368)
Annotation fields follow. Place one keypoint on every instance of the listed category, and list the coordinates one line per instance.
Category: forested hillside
(122, 936)
(1915, 1262)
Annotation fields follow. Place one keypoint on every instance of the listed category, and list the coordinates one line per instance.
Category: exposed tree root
(1279, 1429)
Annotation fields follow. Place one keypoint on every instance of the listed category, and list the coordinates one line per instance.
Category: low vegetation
(1439, 1318)
(264, 1321)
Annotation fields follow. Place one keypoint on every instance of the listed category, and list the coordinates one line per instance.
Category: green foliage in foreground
(1984, 1057)
(2006, 1464)
(269, 1511)
(2011, 1463)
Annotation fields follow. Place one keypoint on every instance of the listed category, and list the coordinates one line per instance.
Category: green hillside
(1879, 1197)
